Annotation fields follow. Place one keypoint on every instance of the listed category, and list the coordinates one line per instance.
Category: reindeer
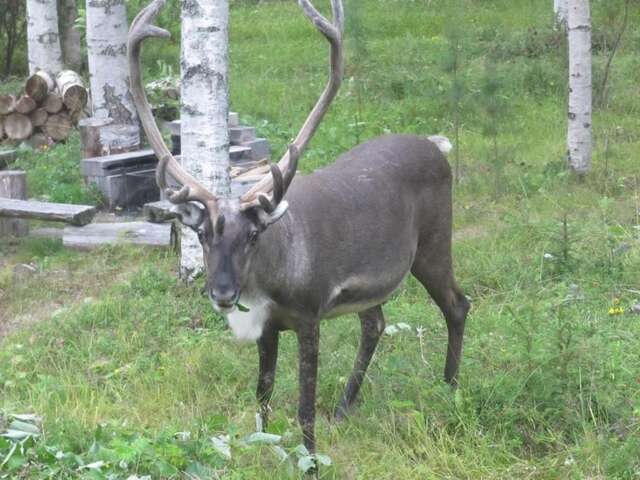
(295, 250)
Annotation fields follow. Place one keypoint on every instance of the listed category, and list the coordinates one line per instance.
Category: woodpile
(46, 111)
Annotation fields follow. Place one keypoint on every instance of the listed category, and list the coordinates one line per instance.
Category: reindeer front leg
(268, 354)
(308, 345)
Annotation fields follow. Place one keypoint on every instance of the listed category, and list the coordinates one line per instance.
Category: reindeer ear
(190, 214)
(267, 219)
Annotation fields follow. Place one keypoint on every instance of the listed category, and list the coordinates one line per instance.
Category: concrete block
(260, 149)
(241, 135)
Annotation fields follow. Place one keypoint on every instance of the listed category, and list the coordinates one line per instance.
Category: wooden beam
(54, 212)
(134, 233)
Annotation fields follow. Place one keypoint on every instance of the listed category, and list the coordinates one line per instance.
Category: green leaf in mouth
(242, 308)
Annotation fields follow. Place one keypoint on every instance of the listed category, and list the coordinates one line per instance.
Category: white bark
(107, 30)
(43, 38)
(205, 107)
(561, 10)
(579, 140)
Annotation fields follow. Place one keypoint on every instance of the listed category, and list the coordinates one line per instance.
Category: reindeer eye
(200, 235)
(253, 237)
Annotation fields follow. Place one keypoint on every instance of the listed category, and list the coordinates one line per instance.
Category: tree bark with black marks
(43, 37)
(579, 137)
(107, 30)
(205, 108)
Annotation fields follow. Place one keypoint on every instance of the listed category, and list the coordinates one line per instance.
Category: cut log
(136, 233)
(73, 92)
(58, 126)
(25, 104)
(39, 85)
(1, 128)
(18, 126)
(77, 116)
(7, 104)
(13, 184)
(53, 212)
(53, 103)
(39, 117)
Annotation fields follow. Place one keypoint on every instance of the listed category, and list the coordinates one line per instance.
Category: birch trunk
(579, 140)
(71, 37)
(561, 10)
(43, 39)
(107, 30)
(205, 108)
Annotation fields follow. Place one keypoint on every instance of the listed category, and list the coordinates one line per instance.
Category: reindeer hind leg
(372, 324)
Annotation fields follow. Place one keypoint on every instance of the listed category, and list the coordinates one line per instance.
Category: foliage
(12, 31)
(53, 173)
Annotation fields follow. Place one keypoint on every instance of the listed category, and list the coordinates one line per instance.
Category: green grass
(117, 356)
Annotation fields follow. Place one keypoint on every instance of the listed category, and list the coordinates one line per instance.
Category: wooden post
(13, 184)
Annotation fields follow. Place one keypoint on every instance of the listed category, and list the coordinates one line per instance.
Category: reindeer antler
(332, 31)
(142, 28)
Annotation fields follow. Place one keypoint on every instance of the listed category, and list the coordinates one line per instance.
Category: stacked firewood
(46, 111)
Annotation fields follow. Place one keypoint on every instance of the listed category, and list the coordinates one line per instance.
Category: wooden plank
(134, 233)
(55, 212)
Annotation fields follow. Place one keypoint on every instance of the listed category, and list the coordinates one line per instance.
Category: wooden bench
(56, 212)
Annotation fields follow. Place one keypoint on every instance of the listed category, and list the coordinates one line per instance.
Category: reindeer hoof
(341, 413)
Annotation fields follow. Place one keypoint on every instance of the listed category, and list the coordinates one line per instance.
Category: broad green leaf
(221, 444)
(323, 459)
(263, 438)
(306, 463)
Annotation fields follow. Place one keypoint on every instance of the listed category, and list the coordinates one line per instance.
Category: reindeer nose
(225, 297)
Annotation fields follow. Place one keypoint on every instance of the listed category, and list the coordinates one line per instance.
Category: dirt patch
(33, 299)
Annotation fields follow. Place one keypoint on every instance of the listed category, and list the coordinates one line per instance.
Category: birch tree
(205, 107)
(579, 140)
(561, 11)
(107, 30)
(43, 39)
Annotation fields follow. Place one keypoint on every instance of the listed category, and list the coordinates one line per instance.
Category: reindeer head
(229, 229)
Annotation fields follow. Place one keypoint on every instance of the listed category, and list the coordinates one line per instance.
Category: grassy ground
(120, 359)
